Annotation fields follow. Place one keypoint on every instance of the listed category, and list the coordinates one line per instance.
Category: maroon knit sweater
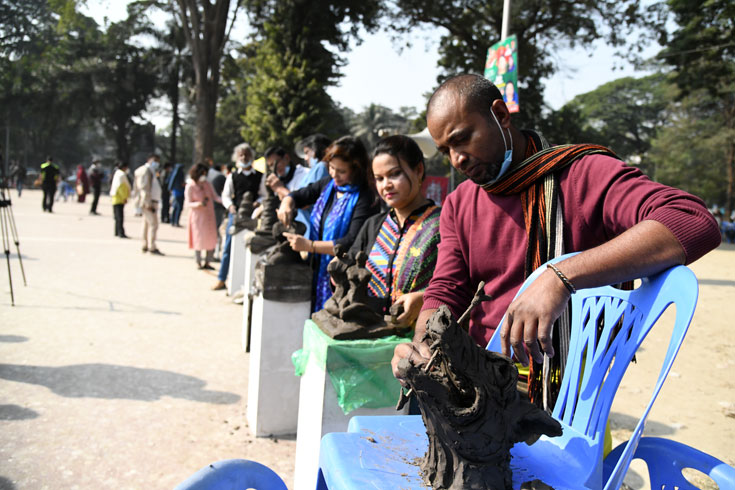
(483, 236)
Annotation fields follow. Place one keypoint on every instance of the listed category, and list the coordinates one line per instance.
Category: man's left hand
(530, 317)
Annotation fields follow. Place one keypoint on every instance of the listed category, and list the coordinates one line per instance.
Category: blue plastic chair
(381, 452)
(666, 459)
(233, 474)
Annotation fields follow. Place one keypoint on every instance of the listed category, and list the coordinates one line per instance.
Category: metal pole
(506, 19)
(7, 150)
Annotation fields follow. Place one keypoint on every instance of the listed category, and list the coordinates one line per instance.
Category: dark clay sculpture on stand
(471, 408)
(350, 313)
(263, 238)
(282, 253)
(281, 274)
(243, 219)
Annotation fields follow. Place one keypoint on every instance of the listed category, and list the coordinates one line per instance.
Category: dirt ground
(124, 370)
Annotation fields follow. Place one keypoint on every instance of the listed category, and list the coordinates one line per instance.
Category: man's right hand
(286, 211)
(232, 209)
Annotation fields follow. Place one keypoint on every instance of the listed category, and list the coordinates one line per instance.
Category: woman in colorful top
(401, 243)
(200, 199)
(342, 202)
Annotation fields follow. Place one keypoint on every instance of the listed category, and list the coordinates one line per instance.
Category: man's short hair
(477, 92)
(153, 155)
(274, 150)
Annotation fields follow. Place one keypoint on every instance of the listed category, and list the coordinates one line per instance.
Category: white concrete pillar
(236, 273)
(273, 388)
(319, 414)
(250, 260)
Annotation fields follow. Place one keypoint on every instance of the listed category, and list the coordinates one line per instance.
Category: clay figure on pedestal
(471, 408)
(243, 219)
(350, 313)
(337, 270)
(263, 238)
(282, 253)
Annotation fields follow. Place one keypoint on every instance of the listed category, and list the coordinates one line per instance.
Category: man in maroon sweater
(625, 225)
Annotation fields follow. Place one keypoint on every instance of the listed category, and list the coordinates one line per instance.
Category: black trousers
(117, 211)
(48, 197)
(95, 199)
(165, 207)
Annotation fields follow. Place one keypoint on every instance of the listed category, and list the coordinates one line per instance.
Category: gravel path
(118, 369)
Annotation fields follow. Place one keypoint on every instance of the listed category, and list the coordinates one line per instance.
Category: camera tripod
(9, 233)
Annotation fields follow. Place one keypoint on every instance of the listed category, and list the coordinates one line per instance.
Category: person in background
(312, 149)
(163, 177)
(285, 176)
(401, 243)
(19, 174)
(242, 180)
(342, 202)
(149, 197)
(50, 176)
(82, 184)
(95, 181)
(200, 199)
(217, 178)
(176, 184)
(119, 192)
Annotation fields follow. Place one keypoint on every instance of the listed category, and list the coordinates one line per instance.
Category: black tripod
(9, 233)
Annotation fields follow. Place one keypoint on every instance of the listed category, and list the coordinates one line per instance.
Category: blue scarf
(335, 226)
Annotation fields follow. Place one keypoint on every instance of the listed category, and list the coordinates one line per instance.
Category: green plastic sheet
(359, 370)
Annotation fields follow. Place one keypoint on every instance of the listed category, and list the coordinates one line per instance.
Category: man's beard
(482, 172)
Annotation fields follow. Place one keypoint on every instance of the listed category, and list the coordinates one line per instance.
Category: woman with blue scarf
(342, 202)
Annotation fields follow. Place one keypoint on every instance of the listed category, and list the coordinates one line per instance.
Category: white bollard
(320, 414)
(236, 272)
(273, 388)
(250, 260)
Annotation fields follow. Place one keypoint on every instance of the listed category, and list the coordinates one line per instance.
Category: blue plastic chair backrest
(598, 358)
(233, 474)
(666, 460)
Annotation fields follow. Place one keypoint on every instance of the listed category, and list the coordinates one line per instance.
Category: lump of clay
(471, 409)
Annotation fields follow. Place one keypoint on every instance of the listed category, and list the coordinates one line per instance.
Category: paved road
(117, 369)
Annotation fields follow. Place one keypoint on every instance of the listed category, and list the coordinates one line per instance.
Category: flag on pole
(501, 68)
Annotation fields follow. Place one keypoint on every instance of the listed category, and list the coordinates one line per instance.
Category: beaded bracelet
(560, 275)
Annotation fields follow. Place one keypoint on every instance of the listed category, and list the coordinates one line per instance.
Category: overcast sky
(377, 73)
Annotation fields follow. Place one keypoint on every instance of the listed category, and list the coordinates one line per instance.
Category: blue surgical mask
(508, 159)
(313, 161)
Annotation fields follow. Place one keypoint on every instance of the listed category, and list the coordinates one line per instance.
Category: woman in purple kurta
(200, 199)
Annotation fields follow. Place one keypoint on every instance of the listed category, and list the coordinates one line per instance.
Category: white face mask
(242, 164)
(153, 165)
(203, 178)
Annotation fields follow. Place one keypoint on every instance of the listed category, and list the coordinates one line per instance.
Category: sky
(377, 73)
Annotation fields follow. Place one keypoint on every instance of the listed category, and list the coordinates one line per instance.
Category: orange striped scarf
(535, 179)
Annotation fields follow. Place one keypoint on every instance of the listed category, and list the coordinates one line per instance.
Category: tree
(45, 83)
(376, 121)
(207, 28)
(542, 27)
(702, 51)
(624, 114)
(124, 81)
(175, 64)
(688, 152)
(293, 66)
